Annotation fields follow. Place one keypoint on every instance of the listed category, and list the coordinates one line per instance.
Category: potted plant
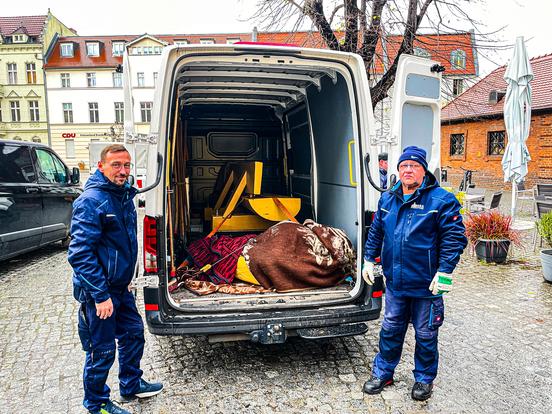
(544, 227)
(491, 233)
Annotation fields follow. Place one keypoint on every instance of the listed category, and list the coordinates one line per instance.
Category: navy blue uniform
(103, 254)
(414, 238)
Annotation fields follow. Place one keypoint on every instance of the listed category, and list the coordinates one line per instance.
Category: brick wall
(488, 167)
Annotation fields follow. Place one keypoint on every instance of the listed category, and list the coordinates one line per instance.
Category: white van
(306, 115)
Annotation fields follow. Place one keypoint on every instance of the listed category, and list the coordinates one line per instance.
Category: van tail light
(139, 183)
(377, 294)
(150, 245)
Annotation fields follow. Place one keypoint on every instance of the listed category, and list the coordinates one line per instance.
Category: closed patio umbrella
(517, 117)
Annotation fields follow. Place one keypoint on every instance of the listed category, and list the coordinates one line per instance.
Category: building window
(33, 111)
(181, 42)
(12, 73)
(457, 86)
(206, 41)
(496, 142)
(15, 111)
(140, 79)
(94, 112)
(31, 72)
(117, 80)
(70, 148)
(91, 79)
(418, 51)
(65, 80)
(68, 113)
(118, 48)
(66, 49)
(157, 50)
(145, 111)
(457, 143)
(93, 49)
(119, 112)
(232, 40)
(458, 59)
(155, 76)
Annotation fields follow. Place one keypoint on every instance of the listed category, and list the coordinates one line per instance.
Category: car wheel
(65, 242)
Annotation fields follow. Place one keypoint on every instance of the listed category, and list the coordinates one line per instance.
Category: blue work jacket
(416, 238)
(104, 245)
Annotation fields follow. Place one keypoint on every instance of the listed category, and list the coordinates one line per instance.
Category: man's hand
(368, 272)
(441, 283)
(105, 309)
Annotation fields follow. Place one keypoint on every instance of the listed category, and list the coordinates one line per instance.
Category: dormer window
(118, 48)
(232, 40)
(66, 49)
(93, 49)
(19, 38)
(207, 41)
(458, 59)
(181, 42)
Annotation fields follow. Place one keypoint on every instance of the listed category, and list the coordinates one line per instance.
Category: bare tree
(363, 24)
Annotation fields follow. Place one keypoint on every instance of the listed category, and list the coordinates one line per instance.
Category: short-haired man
(103, 254)
(418, 233)
(382, 161)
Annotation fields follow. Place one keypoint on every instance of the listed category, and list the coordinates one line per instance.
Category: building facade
(24, 41)
(85, 87)
(473, 133)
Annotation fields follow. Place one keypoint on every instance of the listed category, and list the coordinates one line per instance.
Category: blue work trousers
(98, 340)
(426, 315)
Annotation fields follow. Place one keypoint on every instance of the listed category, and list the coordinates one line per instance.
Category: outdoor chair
(543, 206)
(475, 199)
(544, 189)
(524, 194)
(494, 204)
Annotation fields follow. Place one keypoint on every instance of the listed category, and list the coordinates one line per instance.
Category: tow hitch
(272, 333)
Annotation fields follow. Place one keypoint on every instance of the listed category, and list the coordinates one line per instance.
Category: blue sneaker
(110, 408)
(146, 390)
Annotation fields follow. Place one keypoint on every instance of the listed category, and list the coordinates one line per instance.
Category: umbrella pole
(513, 198)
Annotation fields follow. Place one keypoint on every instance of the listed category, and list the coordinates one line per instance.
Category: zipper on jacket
(115, 265)
(410, 214)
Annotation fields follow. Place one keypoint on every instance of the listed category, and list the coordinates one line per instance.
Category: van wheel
(65, 242)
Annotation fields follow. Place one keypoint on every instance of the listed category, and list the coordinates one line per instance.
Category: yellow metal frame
(351, 173)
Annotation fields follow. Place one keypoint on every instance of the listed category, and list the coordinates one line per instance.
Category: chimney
(254, 34)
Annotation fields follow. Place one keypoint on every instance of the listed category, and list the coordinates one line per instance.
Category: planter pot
(492, 251)
(546, 260)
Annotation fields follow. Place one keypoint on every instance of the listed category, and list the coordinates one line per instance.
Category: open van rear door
(416, 111)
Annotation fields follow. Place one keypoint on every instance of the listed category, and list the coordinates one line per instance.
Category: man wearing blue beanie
(419, 236)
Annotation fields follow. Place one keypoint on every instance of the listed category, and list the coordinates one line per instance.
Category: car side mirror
(75, 176)
(131, 180)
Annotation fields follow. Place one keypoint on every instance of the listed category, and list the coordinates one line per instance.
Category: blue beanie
(413, 153)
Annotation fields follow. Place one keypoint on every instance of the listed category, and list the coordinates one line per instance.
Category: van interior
(256, 127)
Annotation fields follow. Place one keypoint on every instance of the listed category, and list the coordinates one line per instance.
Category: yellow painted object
(243, 273)
(266, 208)
(241, 222)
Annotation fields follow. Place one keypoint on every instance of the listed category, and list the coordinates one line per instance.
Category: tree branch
(314, 9)
(334, 12)
(351, 26)
(372, 34)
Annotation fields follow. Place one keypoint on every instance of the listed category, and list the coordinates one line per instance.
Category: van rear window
(16, 165)
(232, 144)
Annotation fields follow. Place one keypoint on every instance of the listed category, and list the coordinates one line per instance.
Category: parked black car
(37, 191)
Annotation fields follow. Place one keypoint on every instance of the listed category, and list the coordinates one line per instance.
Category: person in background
(103, 253)
(419, 235)
(382, 159)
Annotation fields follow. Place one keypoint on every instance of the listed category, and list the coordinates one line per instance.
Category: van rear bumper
(161, 323)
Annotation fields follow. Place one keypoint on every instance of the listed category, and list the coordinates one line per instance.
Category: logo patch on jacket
(417, 206)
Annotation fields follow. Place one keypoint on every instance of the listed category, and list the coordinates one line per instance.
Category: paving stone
(497, 329)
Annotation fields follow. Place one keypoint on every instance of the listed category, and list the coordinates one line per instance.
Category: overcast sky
(528, 18)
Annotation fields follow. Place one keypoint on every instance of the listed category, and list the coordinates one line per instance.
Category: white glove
(368, 272)
(441, 283)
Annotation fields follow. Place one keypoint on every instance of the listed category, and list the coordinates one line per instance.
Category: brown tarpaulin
(291, 256)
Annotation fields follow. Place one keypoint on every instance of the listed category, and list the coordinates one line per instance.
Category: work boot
(375, 385)
(145, 390)
(110, 408)
(421, 391)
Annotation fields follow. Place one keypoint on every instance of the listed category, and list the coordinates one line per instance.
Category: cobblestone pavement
(496, 348)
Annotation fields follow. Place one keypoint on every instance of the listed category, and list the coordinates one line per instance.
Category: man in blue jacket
(103, 254)
(419, 235)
